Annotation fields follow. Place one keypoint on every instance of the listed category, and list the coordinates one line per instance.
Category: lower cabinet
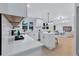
(34, 35)
(48, 40)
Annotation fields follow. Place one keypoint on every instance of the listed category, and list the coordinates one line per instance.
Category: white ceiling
(40, 10)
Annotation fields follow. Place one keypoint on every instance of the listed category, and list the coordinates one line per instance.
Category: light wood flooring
(64, 48)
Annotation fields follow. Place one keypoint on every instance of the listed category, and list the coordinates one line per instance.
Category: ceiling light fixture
(60, 17)
(28, 5)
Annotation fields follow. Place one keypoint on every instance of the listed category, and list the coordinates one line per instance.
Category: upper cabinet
(17, 9)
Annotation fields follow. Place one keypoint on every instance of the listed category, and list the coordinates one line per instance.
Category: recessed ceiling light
(28, 5)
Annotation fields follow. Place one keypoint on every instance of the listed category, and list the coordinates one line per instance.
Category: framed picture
(67, 28)
(31, 26)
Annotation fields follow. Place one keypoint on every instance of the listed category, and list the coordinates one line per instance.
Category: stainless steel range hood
(14, 20)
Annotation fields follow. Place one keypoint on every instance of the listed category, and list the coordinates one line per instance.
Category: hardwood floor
(64, 48)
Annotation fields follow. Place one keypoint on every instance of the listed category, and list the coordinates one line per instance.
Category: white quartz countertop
(24, 45)
(48, 33)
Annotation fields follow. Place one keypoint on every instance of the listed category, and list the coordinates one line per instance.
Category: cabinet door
(33, 35)
(18, 9)
(48, 40)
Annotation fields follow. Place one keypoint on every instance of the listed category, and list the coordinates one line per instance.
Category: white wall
(40, 10)
(76, 41)
(55, 9)
(6, 26)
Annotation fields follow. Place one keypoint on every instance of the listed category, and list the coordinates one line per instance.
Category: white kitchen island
(26, 47)
(48, 39)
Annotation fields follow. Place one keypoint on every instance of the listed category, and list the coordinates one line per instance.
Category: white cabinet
(34, 35)
(18, 9)
(48, 40)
